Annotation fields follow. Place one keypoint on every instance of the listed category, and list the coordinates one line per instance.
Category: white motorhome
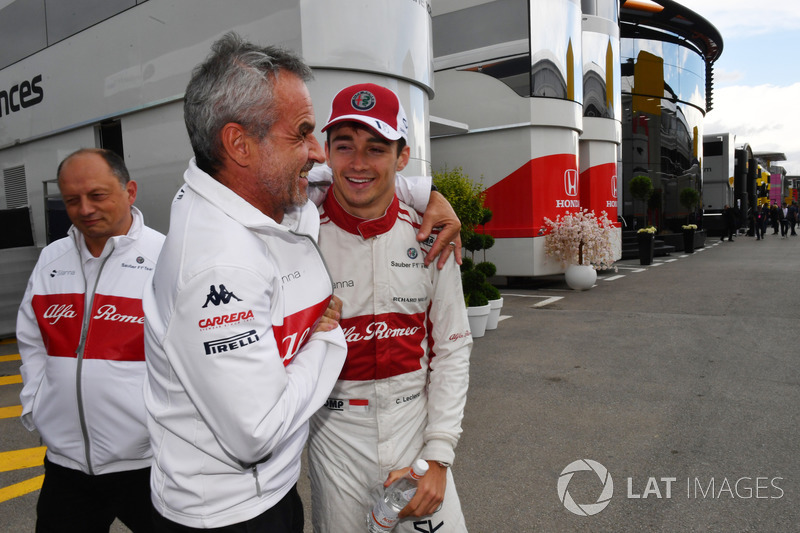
(718, 172)
(535, 86)
(112, 74)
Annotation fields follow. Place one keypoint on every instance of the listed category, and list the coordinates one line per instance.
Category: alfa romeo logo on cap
(363, 101)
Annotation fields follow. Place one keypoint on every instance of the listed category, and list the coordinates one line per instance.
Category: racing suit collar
(360, 226)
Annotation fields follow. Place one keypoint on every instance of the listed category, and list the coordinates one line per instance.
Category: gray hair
(115, 163)
(234, 84)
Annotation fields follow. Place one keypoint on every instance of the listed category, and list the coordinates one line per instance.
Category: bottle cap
(419, 469)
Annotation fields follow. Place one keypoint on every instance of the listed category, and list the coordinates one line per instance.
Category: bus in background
(718, 180)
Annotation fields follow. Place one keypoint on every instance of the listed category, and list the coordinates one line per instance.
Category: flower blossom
(581, 238)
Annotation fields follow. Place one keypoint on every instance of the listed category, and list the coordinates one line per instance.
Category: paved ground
(680, 378)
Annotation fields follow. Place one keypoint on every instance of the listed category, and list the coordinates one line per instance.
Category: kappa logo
(571, 182)
(221, 296)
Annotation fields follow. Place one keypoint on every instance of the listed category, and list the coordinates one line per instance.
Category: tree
(467, 199)
(689, 198)
(641, 188)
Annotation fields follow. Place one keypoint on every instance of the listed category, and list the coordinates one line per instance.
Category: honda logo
(614, 186)
(571, 182)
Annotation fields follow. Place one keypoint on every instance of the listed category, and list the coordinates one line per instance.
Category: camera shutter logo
(586, 509)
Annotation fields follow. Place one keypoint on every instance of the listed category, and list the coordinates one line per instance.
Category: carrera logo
(571, 182)
(57, 312)
(228, 344)
(233, 318)
(378, 330)
(109, 313)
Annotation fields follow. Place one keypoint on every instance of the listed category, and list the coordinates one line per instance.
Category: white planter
(494, 313)
(478, 317)
(580, 277)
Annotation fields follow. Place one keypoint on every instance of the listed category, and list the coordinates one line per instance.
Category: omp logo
(571, 182)
(229, 344)
(586, 509)
(614, 186)
(335, 404)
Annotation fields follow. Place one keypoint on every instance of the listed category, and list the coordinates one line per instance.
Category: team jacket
(234, 371)
(83, 359)
(408, 338)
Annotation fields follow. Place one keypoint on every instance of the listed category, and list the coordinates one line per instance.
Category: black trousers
(71, 501)
(284, 517)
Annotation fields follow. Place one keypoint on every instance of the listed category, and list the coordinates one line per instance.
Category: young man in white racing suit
(402, 391)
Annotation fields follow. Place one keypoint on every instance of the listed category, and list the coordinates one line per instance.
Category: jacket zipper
(87, 313)
(258, 484)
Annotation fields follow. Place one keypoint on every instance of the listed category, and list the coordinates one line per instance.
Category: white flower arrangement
(648, 229)
(579, 238)
(689, 226)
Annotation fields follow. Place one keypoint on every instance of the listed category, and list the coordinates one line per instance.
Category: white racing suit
(402, 390)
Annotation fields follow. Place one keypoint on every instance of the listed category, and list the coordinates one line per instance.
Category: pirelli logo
(229, 344)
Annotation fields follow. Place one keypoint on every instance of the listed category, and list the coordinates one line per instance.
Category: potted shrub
(688, 237)
(690, 199)
(581, 241)
(478, 242)
(646, 237)
(467, 199)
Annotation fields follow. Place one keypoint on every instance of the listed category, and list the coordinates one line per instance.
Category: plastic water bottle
(383, 516)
